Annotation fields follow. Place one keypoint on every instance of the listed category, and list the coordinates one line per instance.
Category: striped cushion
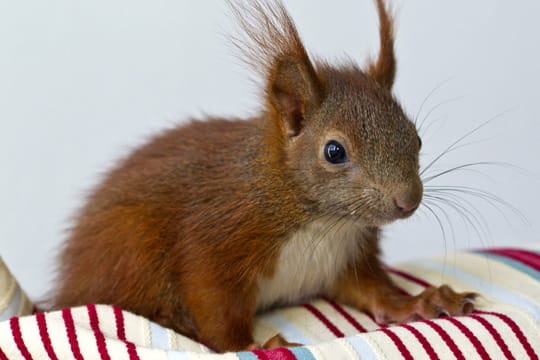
(506, 325)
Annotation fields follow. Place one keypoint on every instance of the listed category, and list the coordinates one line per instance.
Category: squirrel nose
(406, 205)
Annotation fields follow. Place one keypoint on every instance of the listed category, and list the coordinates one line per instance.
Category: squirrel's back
(185, 200)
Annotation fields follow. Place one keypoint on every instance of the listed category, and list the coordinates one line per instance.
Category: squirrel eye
(335, 153)
(419, 142)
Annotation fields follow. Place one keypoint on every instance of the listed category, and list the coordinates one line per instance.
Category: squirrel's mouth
(378, 205)
(405, 213)
(379, 217)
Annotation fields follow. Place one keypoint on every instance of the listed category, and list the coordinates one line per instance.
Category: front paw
(433, 302)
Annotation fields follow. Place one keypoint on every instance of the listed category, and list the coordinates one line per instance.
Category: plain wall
(83, 82)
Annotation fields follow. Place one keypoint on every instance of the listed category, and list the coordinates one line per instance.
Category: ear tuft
(270, 44)
(383, 70)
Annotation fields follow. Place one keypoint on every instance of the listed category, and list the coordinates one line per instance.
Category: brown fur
(384, 68)
(182, 229)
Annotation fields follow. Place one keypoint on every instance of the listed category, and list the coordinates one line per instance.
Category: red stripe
(516, 330)
(441, 331)
(472, 338)
(260, 354)
(319, 315)
(2, 355)
(280, 354)
(409, 277)
(446, 338)
(17, 337)
(121, 333)
(119, 321)
(71, 333)
(525, 257)
(422, 340)
(399, 344)
(275, 354)
(100, 338)
(347, 316)
(495, 334)
(44, 334)
(286, 354)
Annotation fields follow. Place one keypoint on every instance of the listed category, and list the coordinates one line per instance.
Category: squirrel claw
(433, 302)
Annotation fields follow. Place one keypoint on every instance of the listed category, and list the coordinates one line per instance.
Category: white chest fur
(310, 261)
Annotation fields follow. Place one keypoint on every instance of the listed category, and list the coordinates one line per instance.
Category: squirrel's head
(338, 129)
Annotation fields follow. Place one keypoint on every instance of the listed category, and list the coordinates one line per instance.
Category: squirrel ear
(293, 89)
(384, 69)
(270, 44)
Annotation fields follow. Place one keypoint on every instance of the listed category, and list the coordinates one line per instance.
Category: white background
(82, 82)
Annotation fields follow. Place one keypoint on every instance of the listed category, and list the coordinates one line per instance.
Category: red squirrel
(211, 222)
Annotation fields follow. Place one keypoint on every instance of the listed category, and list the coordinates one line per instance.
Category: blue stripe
(158, 336)
(287, 329)
(513, 263)
(246, 355)
(160, 340)
(362, 348)
(501, 294)
(14, 305)
(302, 353)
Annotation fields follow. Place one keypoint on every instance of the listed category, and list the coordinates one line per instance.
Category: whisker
(467, 167)
(445, 102)
(456, 198)
(332, 221)
(426, 204)
(435, 89)
(424, 132)
(488, 197)
(460, 139)
(469, 217)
